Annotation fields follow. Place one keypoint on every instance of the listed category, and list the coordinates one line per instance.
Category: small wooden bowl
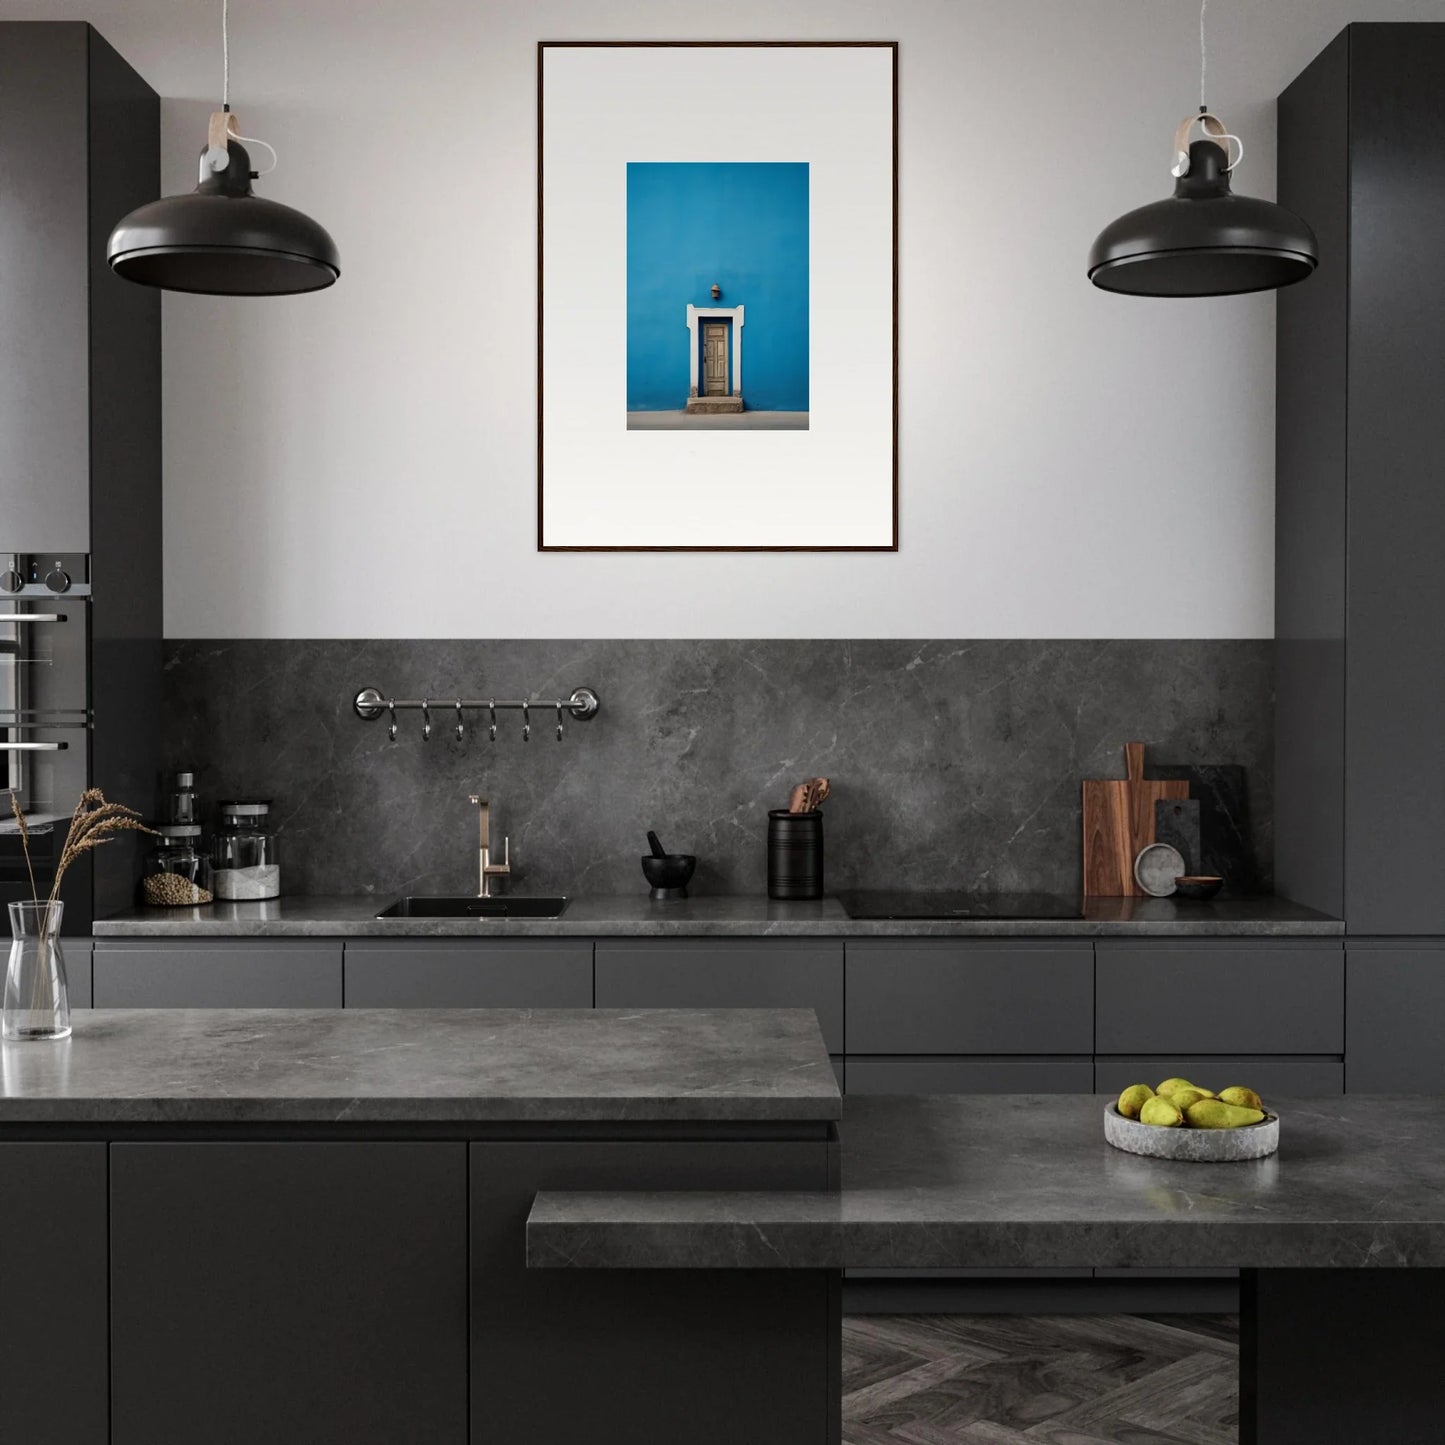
(1198, 885)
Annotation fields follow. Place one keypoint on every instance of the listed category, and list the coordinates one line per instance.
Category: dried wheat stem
(24, 842)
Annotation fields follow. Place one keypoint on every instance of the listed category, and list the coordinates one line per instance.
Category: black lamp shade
(1204, 240)
(222, 240)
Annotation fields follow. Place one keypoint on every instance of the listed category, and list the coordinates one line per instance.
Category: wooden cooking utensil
(1119, 822)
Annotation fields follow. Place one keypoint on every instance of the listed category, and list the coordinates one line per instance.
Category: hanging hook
(559, 722)
(391, 708)
(426, 719)
(461, 725)
(492, 730)
(526, 722)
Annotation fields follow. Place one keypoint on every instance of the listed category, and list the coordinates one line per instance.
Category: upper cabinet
(1360, 719)
(79, 348)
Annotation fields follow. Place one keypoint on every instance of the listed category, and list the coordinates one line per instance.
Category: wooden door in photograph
(715, 358)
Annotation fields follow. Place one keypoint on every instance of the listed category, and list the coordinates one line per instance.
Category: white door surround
(735, 315)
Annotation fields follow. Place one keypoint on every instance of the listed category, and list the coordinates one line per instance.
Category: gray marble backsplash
(954, 764)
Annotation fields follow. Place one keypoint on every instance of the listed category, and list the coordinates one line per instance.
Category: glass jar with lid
(178, 871)
(244, 860)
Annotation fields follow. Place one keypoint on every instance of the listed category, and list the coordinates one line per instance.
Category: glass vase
(37, 1000)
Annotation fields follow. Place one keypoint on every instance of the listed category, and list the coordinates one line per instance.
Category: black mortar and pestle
(667, 872)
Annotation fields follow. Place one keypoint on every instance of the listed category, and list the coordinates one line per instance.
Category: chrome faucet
(486, 869)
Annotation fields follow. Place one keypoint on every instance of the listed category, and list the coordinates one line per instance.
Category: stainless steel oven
(44, 728)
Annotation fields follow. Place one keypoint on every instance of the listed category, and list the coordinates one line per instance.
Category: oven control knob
(11, 581)
(58, 580)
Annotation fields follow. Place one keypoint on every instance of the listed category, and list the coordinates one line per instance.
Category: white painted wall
(362, 463)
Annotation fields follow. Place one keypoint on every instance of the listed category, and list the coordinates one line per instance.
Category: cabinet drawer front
(970, 1076)
(1274, 1078)
(956, 999)
(77, 953)
(1217, 999)
(202, 974)
(483, 975)
(54, 1226)
(1396, 1019)
(288, 1292)
(734, 975)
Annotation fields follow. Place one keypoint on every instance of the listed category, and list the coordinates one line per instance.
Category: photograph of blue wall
(717, 295)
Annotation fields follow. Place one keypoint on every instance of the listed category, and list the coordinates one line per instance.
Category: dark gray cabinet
(1298, 1077)
(81, 400)
(970, 1076)
(54, 1328)
(548, 1363)
(1360, 687)
(80, 422)
(741, 973)
(490, 973)
(1395, 1021)
(922, 1015)
(952, 996)
(300, 1293)
(1159, 996)
(77, 953)
(217, 973)
(44, 307)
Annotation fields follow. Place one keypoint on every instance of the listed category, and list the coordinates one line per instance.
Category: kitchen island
(1341, 1235)
(309, 1226)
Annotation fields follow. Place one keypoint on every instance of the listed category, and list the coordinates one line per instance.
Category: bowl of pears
(1182, 1120)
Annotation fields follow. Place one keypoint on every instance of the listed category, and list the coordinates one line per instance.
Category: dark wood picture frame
(542, 47)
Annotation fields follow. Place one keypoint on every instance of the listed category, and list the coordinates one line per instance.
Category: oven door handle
(33, 617)
(33, 747)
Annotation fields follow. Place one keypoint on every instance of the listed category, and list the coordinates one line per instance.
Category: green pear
(1162, 1112)
(1215, 1114)
(1133, 1099)
(1169, 1086)
(1183, 1098)
(1245, 1098)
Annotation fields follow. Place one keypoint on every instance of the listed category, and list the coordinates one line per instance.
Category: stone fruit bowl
(1197, 1146)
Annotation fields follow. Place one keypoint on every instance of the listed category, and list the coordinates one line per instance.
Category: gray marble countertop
(1028, 1181)
(717, 916)
(356, 1066)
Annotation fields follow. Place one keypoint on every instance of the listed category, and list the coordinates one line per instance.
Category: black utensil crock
(795, 854)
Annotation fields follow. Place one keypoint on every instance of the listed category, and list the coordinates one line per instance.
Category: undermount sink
(474, 907)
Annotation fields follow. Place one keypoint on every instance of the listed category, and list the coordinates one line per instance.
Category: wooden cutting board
(1118, 822)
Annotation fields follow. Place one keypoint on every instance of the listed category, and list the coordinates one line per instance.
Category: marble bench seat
(1028, 1182)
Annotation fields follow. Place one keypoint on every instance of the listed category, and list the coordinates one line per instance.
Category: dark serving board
(1226, 838)
(1176, 822)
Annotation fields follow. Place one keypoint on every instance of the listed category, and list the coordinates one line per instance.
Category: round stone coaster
(1196, 1146)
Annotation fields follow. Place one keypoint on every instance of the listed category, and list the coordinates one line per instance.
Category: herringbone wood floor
(1040, 1380)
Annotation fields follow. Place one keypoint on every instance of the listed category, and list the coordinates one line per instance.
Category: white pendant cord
(1203, 55)
(218, 159)
(252, 140)
(1213, 128)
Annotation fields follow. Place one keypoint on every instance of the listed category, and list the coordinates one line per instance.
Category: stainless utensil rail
(371, 703)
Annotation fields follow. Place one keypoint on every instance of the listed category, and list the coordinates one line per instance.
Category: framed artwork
(717, 296)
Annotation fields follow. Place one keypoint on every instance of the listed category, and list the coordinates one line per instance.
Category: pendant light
(1203, 240)
(223, 240)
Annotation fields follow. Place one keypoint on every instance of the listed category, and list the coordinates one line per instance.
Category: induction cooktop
(869, 903)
